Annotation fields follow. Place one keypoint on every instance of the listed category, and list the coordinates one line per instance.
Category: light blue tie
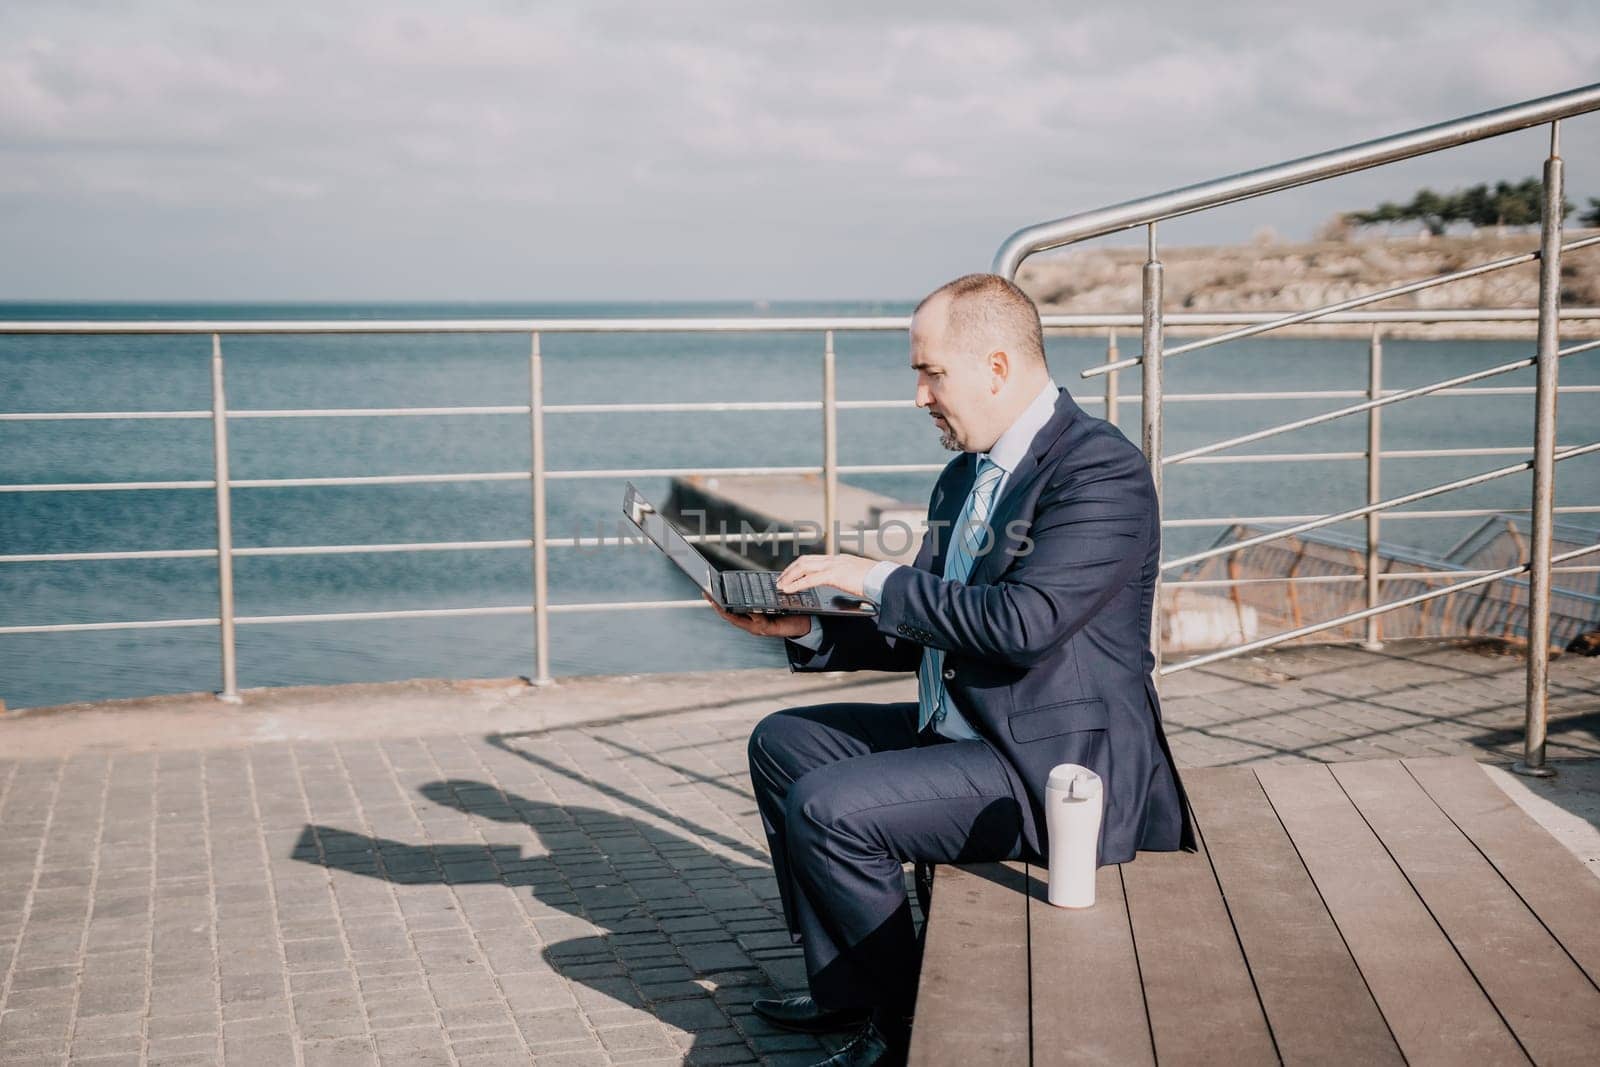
(970, 534)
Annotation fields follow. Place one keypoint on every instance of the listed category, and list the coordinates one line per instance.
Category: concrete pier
(789, 503)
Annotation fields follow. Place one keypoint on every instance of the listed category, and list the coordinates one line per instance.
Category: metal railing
(1149, 211)
(538, 474)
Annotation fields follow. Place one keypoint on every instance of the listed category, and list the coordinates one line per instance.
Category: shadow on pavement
(677, 930)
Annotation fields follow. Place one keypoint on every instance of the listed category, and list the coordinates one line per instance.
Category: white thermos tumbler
(1073, 805)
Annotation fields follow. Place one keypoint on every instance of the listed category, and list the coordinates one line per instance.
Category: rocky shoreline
(1268, 276)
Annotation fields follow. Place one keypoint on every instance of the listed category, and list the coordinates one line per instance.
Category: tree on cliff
(1507, 204)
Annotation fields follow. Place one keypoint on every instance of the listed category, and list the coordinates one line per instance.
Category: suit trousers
(848, 794)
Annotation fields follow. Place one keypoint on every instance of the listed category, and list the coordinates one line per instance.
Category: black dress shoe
(871, 1048)
(802, 1015)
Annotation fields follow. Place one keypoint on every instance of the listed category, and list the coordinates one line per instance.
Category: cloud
(614, 150)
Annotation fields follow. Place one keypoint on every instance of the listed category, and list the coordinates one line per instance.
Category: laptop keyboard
(759, 589)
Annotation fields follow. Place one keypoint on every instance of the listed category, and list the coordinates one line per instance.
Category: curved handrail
(1045, 235)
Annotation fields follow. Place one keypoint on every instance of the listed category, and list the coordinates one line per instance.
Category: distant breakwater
(1279, 276)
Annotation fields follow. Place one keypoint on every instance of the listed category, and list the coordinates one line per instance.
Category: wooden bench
(1377, 912)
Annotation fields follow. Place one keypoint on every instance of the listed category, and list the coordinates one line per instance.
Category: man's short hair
(986, 311)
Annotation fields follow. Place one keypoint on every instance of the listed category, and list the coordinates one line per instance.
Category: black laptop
(741, 591)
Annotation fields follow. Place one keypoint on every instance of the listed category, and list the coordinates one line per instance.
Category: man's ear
(999, 369)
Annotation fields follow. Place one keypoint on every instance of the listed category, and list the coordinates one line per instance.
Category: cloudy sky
(565, 151)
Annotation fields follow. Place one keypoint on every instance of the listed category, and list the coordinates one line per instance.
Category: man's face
(952, 384)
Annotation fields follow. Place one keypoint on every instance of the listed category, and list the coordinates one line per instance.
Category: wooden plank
(1549, 1003)
(972, 999)
(1203, 1007)
(1554, 882)
(1432, 1004)
(1086, 1001)
(1316, 1002)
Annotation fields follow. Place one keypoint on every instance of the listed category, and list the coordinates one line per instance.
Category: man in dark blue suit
(1027, 619)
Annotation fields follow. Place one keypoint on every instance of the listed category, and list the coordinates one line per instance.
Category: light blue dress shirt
(1006, 453)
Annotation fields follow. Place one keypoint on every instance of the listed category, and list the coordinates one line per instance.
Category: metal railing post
(830, 451)
(1544, 447)
(219, 458)
(1374, 639)
(1150, 408)
(1111, 378)
(541, 560)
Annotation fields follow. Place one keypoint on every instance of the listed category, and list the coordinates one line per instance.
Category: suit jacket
(1047, 644)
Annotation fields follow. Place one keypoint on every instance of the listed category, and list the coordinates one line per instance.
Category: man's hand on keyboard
(765, 625)
(845, 572)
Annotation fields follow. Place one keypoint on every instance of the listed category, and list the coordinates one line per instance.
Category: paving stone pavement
(280, 886)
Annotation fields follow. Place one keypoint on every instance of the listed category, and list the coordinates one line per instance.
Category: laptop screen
(667, 538)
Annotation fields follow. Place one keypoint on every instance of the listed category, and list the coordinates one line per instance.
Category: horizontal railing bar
(1439, 513)
(378, 479)
(1370, 405)
(83, 557)
(709, 405)
(777, 405)
(1411, 576)
(1512, 390)
(354, 616)
(1338, 413)
(1277, 457)
(867, 405)
(225, 327)
(1230, 583)
(480, 546)
(752, 405)
(1314, 314)
(1294, 394)
(413, 546)
(625, 605)
(1435, 453)
(594, 409)
(375, 413)
(1240, 520)
(671, 472)
(85, 487)
(1366, 613)
(890, 468)
(1478, 513)
(1351, 394)
(1381, 506)
(1341, 306)
(1171, 524)
(85, 416)
(445, 613)
(369, 616)
(1338, 579)
(1398, 316)
(631, 605)
(417, 546)
(82, 627)
(1287, 175)
(697, 539)
(759, 537)
(628, 605)
(1368, 317)
(873, 324)
(1404, 453)
(504, 476)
